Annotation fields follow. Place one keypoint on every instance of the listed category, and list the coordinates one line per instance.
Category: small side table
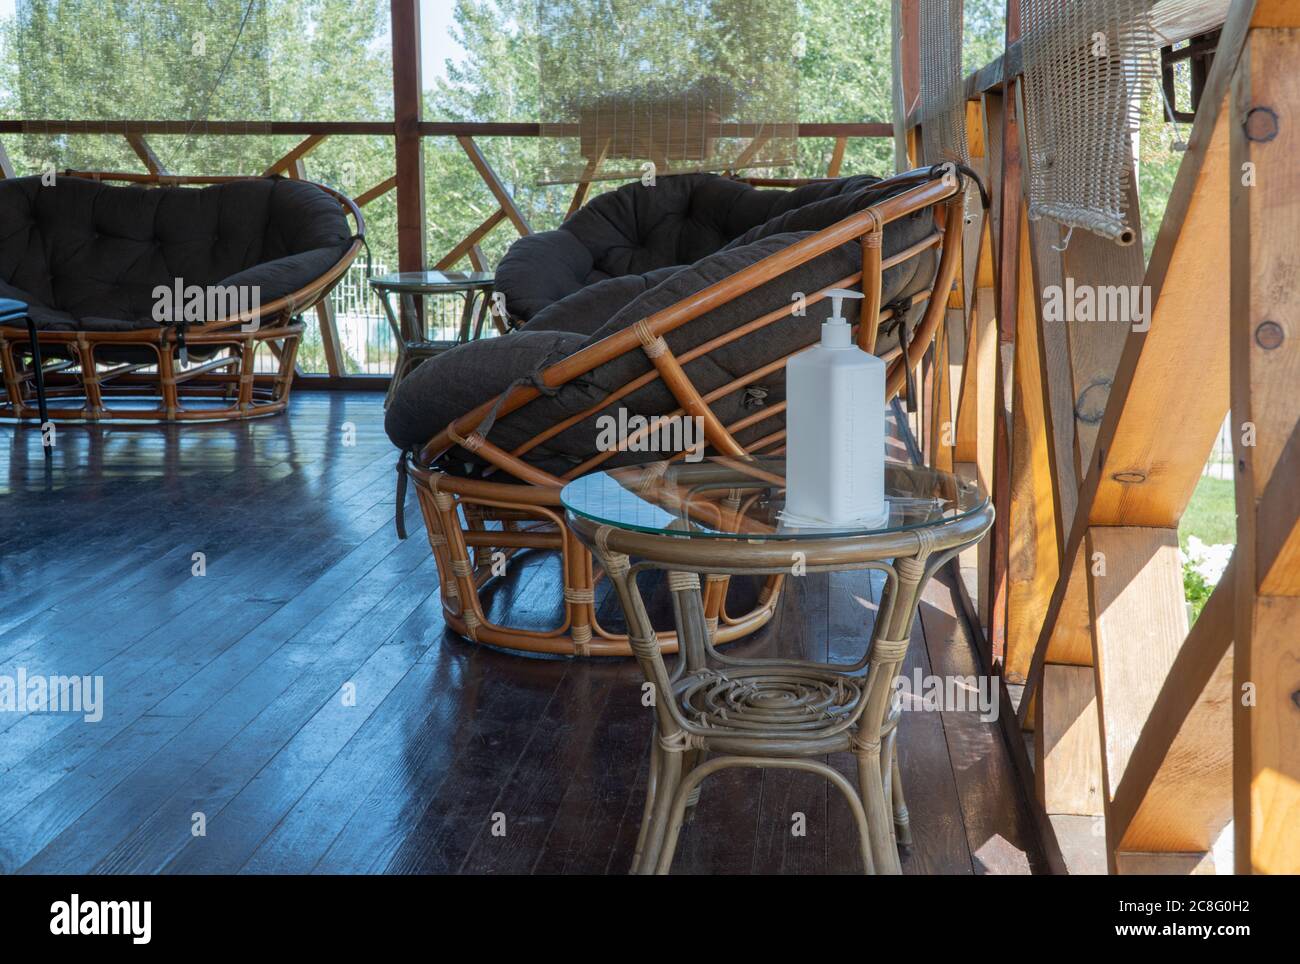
(714, 710)
(413, 341)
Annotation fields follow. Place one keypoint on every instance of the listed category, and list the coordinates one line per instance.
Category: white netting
(943, 89)
(1087, 67)
(687, 85)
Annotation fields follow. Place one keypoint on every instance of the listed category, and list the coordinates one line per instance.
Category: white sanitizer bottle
(835, 424)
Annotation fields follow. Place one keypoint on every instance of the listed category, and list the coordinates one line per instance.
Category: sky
(436, 43)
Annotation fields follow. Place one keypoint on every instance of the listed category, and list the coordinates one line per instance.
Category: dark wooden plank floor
(225, 693)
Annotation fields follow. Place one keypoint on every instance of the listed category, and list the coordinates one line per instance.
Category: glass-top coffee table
(713, 710)
(414, 341)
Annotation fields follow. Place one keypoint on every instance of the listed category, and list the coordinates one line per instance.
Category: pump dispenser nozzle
(836, 332)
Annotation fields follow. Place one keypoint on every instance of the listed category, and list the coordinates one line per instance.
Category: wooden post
(1265, 368)
(1007, 267)
(335, 363)
(1159, 696)
(407, 100)
(908, 64)
(1034, 560)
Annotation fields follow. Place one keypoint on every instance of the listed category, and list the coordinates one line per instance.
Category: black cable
(221, 75)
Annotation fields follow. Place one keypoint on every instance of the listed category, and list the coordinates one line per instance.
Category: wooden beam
(1154, 442)
(908, 64)
(1176, 795)
(1035, 554)
(1265, 369)
(837, 157)
(1067, 764)
(588, 175)
(378, 191)
(297, 153)
(1277, 547)
(252, 128)
(1139, 620)
(408, 98)
(940, 436)
(470, 240)
(329, 329)
(145, 153)
(1045, 268)
(1007, 271)
(494, 184)
(756, 144)
(1159, 425)
(1095, 347)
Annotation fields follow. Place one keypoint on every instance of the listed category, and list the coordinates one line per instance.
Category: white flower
(1207, 561)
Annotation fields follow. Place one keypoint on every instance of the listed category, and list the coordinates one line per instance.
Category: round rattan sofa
(92, 260)
(649, 301)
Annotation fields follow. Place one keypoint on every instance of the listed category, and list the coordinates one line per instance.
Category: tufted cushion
(88, 255)
(638, 228)
(451, 384)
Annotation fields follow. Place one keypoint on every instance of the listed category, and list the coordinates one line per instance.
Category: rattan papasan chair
(88, 259)
(685, 297)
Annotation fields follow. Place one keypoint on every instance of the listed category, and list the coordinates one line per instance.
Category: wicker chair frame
(457, 510)
(73, 372)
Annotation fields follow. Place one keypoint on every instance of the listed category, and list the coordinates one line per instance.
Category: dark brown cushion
(451, 384)
(639, 229)
(88, 255)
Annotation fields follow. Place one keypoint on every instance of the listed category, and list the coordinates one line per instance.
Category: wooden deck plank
(223, 692)
(999, 830)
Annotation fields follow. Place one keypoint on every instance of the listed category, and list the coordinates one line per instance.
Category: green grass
(1211, 516)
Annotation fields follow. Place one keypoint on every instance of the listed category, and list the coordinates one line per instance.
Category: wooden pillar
(1007, 266)
(407, 101)
(1265, 367)
(908, 64)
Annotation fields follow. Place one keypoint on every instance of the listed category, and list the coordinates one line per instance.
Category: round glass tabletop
(730, 498)
(433, 282)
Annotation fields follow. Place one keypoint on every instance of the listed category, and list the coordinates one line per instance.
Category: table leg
(466, 319)
(888, 651)
(480, 311)
(670, 779)
(417, 330)
(902, 822)
(880, 822)
(399, 371)
(669, 752)
(652, 783)
(399, 337)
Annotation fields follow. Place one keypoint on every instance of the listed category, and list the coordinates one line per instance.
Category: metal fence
(365, 335)
(1219, 464)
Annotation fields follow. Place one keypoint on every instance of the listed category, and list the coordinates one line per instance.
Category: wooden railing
(412, 253)
(1147, 739)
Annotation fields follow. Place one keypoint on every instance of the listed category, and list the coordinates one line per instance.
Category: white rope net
(685, 85)
(943, 93)
(1087, 67)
